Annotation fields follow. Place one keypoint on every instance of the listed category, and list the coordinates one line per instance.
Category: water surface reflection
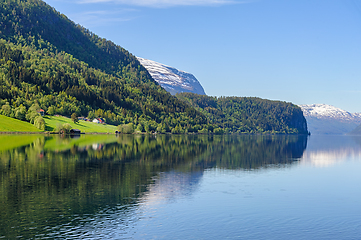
(327, 150)
(106, 186)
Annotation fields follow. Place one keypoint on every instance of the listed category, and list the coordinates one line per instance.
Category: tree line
(248, 114)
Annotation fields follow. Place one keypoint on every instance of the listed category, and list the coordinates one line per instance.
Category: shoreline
(103, 133)
(49, 133)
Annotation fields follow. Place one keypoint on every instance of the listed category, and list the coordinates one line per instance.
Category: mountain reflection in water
(327, 150)
(52, 187)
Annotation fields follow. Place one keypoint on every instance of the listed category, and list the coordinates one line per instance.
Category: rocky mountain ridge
(172, 79)
(327, 119)
(328, 111)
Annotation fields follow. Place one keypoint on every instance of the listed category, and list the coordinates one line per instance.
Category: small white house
(99, 120)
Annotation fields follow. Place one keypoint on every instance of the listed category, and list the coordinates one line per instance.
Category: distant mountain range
(172, 79)
(327, 119)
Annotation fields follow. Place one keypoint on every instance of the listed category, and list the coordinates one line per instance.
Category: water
(180, 187)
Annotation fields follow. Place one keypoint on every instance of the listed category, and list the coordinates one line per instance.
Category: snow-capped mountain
(172, 79)
(327, 119)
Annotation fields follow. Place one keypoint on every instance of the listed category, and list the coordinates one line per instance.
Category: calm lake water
(180, 187)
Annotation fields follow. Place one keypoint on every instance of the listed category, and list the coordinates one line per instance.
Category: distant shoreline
(109, 133)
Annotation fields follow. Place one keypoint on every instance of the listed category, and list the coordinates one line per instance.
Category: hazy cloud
(98, 18)
(166, 3)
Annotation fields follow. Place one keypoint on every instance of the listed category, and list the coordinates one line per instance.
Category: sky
(299, 51)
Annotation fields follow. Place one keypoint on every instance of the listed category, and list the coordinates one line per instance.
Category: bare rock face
(327, 119)
(172, 79)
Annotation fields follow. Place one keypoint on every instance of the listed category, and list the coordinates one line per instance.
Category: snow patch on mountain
(327, 119)
(172, 79)
(328, 111)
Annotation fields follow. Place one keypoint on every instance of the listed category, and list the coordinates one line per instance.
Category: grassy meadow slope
(8, 124)
(51, 123)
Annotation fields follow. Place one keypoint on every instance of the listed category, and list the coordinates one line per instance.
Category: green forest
(248, 114)
(48, 62)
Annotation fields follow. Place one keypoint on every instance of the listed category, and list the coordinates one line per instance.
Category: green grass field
(51, 122)
(8, 124)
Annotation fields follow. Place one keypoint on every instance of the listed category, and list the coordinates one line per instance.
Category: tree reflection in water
(53, 183)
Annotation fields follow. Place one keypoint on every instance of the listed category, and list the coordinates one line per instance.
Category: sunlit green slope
(8, 124)
(52, 122)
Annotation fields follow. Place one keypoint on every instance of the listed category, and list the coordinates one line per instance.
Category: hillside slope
(38, 25)
(14, 125)
(48, 61)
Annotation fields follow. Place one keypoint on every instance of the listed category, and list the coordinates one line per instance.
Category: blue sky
(300, 51)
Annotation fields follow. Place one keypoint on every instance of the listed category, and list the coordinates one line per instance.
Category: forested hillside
(35, 24)
(48, 62)
(248, 115)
